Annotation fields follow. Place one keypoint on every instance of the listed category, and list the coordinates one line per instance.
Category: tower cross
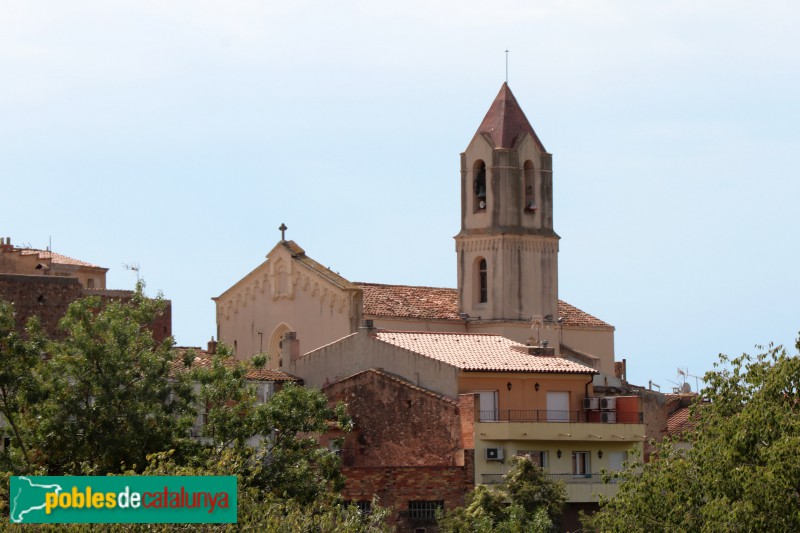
(283, 229)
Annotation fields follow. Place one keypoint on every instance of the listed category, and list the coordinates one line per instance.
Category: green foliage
(741, 472)
(19, 356)
(527, 502)
(106, 397)
(274, 444)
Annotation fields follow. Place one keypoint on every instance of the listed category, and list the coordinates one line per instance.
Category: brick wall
(44, 296)
(466, 404)
(397, 423)
(398, 485)
(49, 296)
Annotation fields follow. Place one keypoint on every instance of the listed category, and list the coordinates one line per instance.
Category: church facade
(507, 268)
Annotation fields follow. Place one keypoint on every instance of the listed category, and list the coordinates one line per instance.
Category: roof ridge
(466, 333)
(401, 285)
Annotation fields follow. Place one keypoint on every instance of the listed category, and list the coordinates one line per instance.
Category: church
(506, 265)
(445, 385)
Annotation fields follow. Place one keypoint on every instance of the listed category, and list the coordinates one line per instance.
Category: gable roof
(479, 352)
(396, 379)
(299, 255)
(56, 258)
(505, 123)
(436, 303)
(404, 301)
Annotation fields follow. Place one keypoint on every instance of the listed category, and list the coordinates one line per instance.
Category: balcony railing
(544, 415)
(582, 479)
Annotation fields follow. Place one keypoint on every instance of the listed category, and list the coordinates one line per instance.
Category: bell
(482, 191)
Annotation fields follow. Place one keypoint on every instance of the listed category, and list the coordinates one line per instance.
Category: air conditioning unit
(494, 454)
(608, 417)
(591, 403)
(608, 403)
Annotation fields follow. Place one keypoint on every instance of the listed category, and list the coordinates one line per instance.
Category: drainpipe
(586, 387)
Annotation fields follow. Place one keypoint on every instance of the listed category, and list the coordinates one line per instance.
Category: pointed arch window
(483, 282)
(479, 185)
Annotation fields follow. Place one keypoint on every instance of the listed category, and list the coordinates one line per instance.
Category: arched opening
(530, 187)
(275, 360)
(479, 186)
(483, 281)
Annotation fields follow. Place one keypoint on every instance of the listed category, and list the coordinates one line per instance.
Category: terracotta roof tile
(203, 359)
(479, 352)
(55, 257)
(505, 123)
(436, 303)
(679, 421)
(576, 318)
(405, 301)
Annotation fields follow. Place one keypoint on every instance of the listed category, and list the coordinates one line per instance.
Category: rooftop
(203, 359)
(505, 123)
(54, 257)
(436, 303)
(479, 352)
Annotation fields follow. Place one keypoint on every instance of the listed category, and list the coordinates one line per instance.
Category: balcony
(579, 487)
(560, 426)
(543, 415)
(568, 479)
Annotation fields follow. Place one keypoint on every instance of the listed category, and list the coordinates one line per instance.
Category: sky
(178, 135)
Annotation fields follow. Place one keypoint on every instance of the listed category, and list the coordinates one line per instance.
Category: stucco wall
(597, 342)
(523, 394)
(253, 314)
(360, 351)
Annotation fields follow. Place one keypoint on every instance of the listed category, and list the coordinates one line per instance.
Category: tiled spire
(505, 123)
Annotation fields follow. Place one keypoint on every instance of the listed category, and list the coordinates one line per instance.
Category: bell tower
(507, 249)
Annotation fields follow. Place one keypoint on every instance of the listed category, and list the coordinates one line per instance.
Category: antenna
(133, 266)
(506, 65)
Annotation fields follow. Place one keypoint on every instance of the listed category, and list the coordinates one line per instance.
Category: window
(479, 186)
(90, 283)
(424, 509)
(483, 282)
(558, 406)
(488, 406)
(538, 457)
(364, 506)
(580, 464)
(530, 188)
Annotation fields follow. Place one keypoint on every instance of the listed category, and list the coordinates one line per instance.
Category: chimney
(212, 346)
(290, 347)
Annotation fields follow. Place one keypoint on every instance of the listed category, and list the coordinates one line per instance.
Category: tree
(274, 445)
(107, 397)
(741, 471)
(527, 502)
(19, 356)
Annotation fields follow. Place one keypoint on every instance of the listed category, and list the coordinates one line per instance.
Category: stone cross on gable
(283, 229)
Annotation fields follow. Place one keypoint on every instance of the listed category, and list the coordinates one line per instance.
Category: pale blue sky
(181, 134)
